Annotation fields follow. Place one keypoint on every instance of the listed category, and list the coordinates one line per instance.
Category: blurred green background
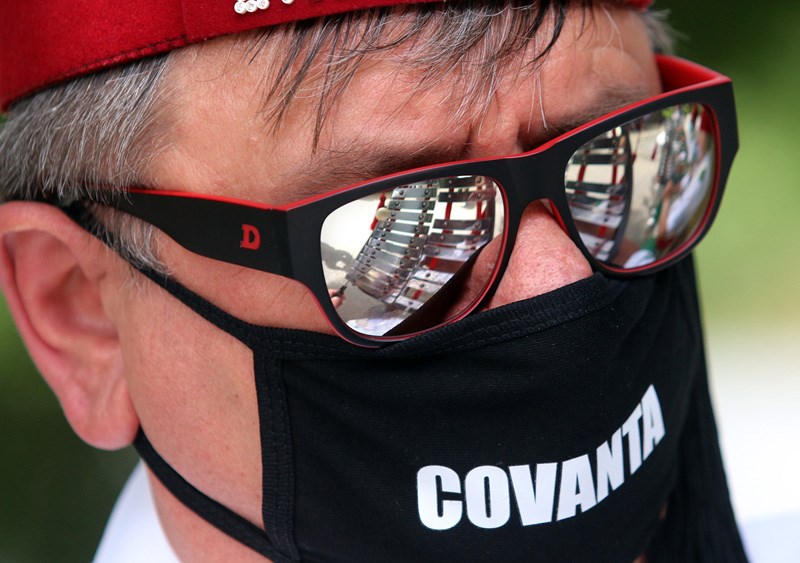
(56, 493)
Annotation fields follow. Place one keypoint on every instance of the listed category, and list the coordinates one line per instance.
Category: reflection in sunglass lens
(640, 191)
(414, 256)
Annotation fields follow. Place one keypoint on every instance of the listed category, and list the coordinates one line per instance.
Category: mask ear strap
(207, 508)
(237, 328)
(277, 543)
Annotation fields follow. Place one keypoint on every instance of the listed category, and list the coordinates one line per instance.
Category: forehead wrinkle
(365, 152)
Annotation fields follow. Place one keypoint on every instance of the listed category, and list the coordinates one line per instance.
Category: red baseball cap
(44, 43)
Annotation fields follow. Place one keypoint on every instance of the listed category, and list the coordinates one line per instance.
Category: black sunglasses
(387, 259)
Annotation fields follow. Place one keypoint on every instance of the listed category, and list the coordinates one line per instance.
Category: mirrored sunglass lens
(639, 192)
(412, 257)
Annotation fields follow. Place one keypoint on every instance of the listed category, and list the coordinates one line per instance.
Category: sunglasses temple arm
(228, 232)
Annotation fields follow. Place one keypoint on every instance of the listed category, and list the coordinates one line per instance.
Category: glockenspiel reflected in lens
(640, 191)
(413, 257)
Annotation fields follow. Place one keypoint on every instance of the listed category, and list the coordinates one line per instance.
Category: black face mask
(551, 429)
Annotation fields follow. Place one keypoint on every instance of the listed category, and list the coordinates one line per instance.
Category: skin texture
(120, 353)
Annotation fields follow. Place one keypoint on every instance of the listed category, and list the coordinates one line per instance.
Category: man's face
(191, 385)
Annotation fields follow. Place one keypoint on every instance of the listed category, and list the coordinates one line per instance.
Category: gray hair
(89, 139)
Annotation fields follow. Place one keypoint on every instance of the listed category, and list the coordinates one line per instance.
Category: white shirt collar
(133, 533)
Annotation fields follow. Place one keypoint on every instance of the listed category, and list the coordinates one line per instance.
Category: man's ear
(52, 273)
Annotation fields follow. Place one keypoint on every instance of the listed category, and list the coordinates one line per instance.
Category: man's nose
(544, 258)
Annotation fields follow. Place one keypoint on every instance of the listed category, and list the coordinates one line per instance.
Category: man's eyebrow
(330, 169)
(612, 99)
